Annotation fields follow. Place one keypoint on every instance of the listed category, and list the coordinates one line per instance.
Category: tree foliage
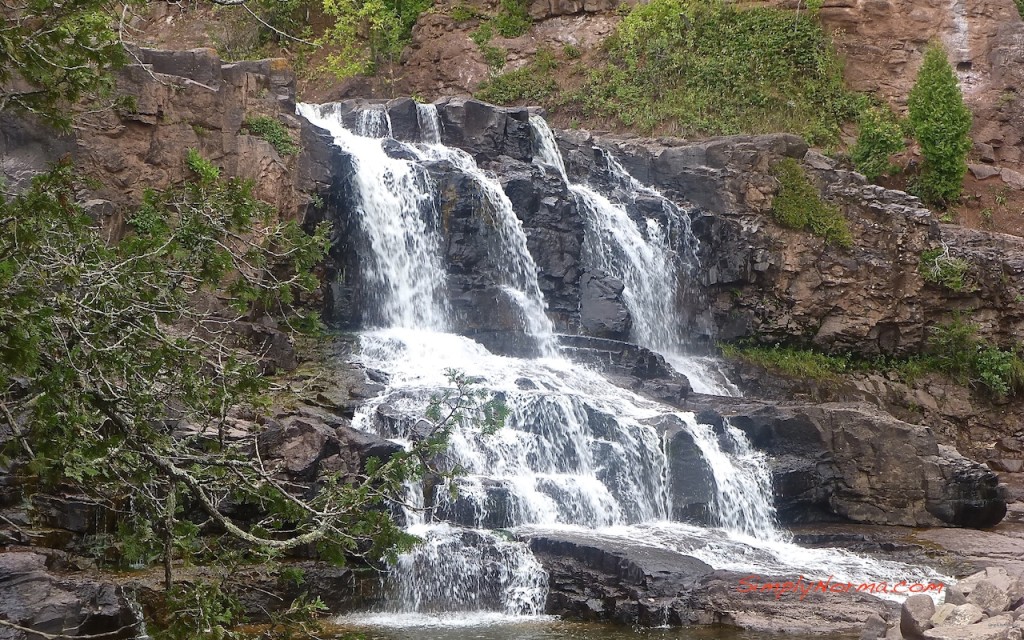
(53, 54)
(941, 123)
(366, 33)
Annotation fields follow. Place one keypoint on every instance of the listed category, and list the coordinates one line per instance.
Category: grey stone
(874, 628)
(941, 613)
(982, 171)
(989, 597)
(991, 629)
(915, 616)
(965, 614)
(955, 596)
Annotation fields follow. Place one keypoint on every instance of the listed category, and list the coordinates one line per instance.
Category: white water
(642, 258)
(577, 452)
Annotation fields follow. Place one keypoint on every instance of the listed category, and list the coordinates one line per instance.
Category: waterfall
(642, 258)
(577, 452)
(429, 123)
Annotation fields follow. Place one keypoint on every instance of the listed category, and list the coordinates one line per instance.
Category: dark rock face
(34, 598)
(602, 311)
(860, 464)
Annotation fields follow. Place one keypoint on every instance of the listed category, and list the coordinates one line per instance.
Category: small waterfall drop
(429, 123)
(642, 258)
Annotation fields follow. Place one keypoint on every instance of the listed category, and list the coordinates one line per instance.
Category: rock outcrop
(639, 584)
(857, 463)
(36, 599)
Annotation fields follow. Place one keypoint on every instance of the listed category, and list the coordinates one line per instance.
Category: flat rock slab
(991, 629)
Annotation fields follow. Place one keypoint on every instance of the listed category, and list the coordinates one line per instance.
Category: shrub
(532, 83)
(938, 267)
(493, 56)
(273, 132)
(941, 123)
(710, 67)
(880, 136)
(797, 205)
(1020, 8)
(572, 52)
(463, 12)
(956, 350)
(513, 20)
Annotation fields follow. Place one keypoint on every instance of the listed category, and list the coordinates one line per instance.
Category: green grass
(796, 363)
(953, 350)
(797, 205)
(709, 67)
(272, 131)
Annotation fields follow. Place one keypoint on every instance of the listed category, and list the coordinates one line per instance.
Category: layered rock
(35, 599)
(857, 463)
(632, 583)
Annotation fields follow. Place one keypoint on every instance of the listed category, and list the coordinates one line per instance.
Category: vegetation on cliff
(879, 137)
(798, 205)
(942, 124)
(712, 68)
(953, 349)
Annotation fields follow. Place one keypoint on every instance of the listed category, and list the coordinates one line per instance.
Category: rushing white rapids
(577, 452)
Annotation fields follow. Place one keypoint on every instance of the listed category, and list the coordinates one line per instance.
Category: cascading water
(642, 258)
(577, 452)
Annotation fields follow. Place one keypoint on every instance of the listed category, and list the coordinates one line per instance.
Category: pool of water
(544, 628)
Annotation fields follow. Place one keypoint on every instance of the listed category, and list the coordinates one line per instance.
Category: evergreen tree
(941, 123)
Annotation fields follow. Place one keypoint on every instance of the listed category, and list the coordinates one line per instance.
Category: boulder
(989, 597)
(915, 616)
(964, 615)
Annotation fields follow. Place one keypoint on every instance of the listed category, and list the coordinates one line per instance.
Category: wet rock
(603, 312)
(915, 616)
(692, 482)
(844, 478)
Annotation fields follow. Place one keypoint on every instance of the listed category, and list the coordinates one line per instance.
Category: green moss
(797, 205)
(707, 66)
(938, 267)
(272, 131)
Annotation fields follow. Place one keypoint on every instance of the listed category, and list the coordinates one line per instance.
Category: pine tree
(941, 123)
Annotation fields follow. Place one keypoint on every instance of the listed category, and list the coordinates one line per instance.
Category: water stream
(577, 452)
